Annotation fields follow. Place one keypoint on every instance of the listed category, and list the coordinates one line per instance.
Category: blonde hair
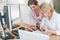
(46, 7)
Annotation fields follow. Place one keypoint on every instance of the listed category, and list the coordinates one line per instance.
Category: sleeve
(58, 25)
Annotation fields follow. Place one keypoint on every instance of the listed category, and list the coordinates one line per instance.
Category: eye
(33, 7)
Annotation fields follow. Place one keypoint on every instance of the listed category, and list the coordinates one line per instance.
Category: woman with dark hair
(31, 2)
(35, 15)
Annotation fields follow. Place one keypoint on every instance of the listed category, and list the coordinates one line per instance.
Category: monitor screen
(7, 17)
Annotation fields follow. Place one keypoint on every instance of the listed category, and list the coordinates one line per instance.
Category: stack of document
(36, 35)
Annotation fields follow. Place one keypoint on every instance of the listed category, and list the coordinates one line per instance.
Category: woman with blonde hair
(50, 24)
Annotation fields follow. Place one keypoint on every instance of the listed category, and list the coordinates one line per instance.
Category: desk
(21, 25)
(0, 39)
(52, 37)
(7, 30)
(8, 39)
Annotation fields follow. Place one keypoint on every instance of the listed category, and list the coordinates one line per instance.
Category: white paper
(40, 33)
(25, 35)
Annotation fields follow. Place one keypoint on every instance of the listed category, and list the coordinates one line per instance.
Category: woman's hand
(45, 30)
(52, 32)
(33, 27)
(28, 29)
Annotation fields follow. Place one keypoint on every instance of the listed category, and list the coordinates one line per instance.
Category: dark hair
(30, 2)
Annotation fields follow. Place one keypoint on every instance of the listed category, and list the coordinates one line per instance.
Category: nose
(32, 7)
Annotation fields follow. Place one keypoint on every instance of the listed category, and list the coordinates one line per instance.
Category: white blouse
(53, 23)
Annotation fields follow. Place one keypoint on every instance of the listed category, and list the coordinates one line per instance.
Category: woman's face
(33, 7)
(46, 14)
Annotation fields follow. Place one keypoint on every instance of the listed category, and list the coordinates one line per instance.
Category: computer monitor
(1, 20)
(1, 27)
(7, 17)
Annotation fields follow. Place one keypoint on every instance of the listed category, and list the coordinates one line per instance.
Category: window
(57, 5)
